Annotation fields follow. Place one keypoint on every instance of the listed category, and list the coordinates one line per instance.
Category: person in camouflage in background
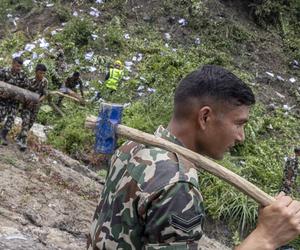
(9, 107)
(29, 111)
(151, 198)
(70, 88)
(60, 65)
(290, 172)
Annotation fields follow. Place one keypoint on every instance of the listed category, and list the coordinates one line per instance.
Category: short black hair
(18, 60)
(40, 67)
(213, 82)
(76, 74)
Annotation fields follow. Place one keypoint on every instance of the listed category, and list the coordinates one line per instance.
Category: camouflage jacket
(290, 173)
(17, 79)
(39, 87)
(73, 83)
(150, 200)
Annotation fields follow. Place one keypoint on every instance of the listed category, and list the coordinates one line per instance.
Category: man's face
(16, 67)
(224, 128)
(39, 75)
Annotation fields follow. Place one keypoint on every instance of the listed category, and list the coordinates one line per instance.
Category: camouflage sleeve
(289, 174)
(2, 74)
(44, 88)
(173, 217)
(81, 88)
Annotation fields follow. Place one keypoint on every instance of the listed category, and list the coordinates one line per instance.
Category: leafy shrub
(78, 31)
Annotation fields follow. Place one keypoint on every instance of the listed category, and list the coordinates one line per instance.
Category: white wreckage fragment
(89, 55)
(94, 12)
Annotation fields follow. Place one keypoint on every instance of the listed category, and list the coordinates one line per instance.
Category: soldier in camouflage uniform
(9, 107)
(60, 65)
(151, 198)
(29, 111)
(70, 88)
(290, 172)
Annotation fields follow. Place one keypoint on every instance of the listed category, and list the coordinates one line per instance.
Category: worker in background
(29, 111)
(8, 106)
(70, 88)
(114, 76)
(290, 172)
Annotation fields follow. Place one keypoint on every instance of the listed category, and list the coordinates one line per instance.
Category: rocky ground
(47, 200)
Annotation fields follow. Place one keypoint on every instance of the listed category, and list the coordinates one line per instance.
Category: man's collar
(165, 134)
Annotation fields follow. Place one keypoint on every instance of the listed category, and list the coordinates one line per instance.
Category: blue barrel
(106, 139)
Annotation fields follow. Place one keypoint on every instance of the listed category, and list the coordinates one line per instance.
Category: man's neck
(183, 132)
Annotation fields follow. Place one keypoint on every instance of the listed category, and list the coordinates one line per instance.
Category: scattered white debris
(280, 95)
(140, 93)
(54, 162)
(92, 69)
(134, 58)
(53, 32)
(34, 56)
(75, 13)
(77, 61)
(143, 79)
(18, 53)
(89, 55)
(29, 47)
(270, 126)
(128, 63)
(182, 22)
(43, 43)
(50, 5)
(94, 12)
(140, 88)
(269, 74)
(279, 78)
(151, 90)
(99, 1)
(167, 36)
(94, 36)
(166, 45)
(174, 50)
(27, 62)
(272, 106)
(139, 57)
(127, 36)
(286, 107)
(87, 84)
(197, 41)
(125, 105)
(9, 15)
(242, 162)
(292, 80)
(126, 78)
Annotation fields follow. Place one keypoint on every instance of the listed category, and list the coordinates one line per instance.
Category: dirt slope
(43, 203)
(47, 201)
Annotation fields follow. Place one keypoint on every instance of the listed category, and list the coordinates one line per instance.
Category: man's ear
(204, 116)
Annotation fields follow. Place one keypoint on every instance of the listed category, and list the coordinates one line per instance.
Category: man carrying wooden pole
(9, 105)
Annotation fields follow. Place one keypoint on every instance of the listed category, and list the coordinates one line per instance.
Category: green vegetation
(224, 41)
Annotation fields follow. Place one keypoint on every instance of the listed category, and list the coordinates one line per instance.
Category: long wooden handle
(200, 161)
(14, 92)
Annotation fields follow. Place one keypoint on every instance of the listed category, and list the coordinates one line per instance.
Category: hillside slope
(47, 201)
(159, 42)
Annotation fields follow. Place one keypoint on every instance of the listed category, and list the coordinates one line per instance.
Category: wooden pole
(10, 91)
(201, 162)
